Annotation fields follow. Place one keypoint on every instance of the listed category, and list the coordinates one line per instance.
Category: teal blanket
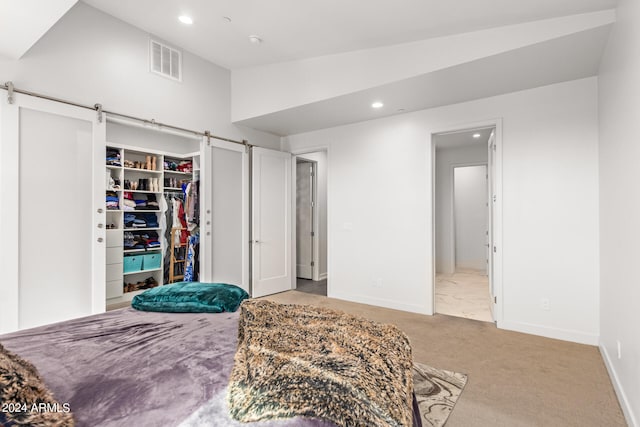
(191, 297)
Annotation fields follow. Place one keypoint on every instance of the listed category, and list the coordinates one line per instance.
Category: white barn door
(52, 219)
(271, 222)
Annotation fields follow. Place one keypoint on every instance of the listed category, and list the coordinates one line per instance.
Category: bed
(129, 367)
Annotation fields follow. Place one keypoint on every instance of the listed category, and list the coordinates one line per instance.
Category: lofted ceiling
(297, 34)
(567, 58)
(295, 29)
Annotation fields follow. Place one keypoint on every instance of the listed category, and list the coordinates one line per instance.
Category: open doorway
(311, 223)
(463, 218)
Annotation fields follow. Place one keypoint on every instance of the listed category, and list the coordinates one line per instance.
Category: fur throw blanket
(295, 360)
(25, 399)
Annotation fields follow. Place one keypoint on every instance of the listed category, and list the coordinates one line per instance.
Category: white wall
(619, 108)
(380, 214)
(445, 159)
(90, 57)
(470, 215)
(150, 138)
(320, 157)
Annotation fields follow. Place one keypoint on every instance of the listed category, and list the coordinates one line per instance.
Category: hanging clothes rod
(11, 89)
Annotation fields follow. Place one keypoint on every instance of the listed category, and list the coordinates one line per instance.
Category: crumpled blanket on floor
(295, 360)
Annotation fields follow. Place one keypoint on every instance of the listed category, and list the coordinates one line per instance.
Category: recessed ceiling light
(185, 19)
(255, 39)
(476, 135)
(377, 104)
(226, 19)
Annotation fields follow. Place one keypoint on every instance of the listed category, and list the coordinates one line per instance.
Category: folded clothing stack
(146, 202)
(140, 220)
(112, 200)
(141, 240)
(113, 157)
(181, 166)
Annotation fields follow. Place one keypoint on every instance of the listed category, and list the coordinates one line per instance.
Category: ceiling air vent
(165, 60)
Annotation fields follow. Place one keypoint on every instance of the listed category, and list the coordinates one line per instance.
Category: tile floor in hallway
(464, 294)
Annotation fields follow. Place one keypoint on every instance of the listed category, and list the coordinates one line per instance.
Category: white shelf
(173, 188)
(137, 251)
(142, 271)
(142, 171)
(142, 229)
(113, 210)
(113, 167)
(177, 172)
(142, 191)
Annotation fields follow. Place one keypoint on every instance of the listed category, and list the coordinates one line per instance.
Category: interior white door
(225, 241)
(470, 216)
(271, 222)
(491, 191)
(52, 214)
(304, 219)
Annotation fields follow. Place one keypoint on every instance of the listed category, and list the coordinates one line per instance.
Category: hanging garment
(184, 234)
(191, 258)
(168, 223)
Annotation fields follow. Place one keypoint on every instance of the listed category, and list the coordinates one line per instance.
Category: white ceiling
(295, 29)
(462, 138)
(558, 60)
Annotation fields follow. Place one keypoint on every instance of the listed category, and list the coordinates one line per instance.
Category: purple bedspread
(133, 368)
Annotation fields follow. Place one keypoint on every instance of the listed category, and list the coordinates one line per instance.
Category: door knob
(100, 210)
(100, 239)
(100, 225)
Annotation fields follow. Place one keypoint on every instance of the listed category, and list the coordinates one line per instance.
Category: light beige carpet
(514, 379)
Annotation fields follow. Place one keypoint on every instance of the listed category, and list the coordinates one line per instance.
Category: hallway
(464, 294)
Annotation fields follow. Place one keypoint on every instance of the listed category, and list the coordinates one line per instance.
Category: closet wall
(90, 57)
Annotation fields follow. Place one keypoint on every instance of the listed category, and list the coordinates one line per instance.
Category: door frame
(9, 205)
(316, 212)
(495, 211)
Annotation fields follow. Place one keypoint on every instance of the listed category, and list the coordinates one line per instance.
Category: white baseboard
(323, 276)
(545, 331)
(622, 397)
(380, 302)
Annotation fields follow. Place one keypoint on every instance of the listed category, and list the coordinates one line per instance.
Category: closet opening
(463, 199)
(311, 223)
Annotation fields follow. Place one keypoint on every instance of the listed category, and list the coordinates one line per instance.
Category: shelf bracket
(10, 89)
(208, 135)
(98, 108)
(246, 146)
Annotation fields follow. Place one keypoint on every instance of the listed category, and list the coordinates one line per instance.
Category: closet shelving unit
(117, 279)
(120, 278)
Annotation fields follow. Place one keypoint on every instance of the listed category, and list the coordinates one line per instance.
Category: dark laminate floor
(311, 287)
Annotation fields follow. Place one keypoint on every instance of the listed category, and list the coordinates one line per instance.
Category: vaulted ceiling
(322, 62)
(295, 29)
